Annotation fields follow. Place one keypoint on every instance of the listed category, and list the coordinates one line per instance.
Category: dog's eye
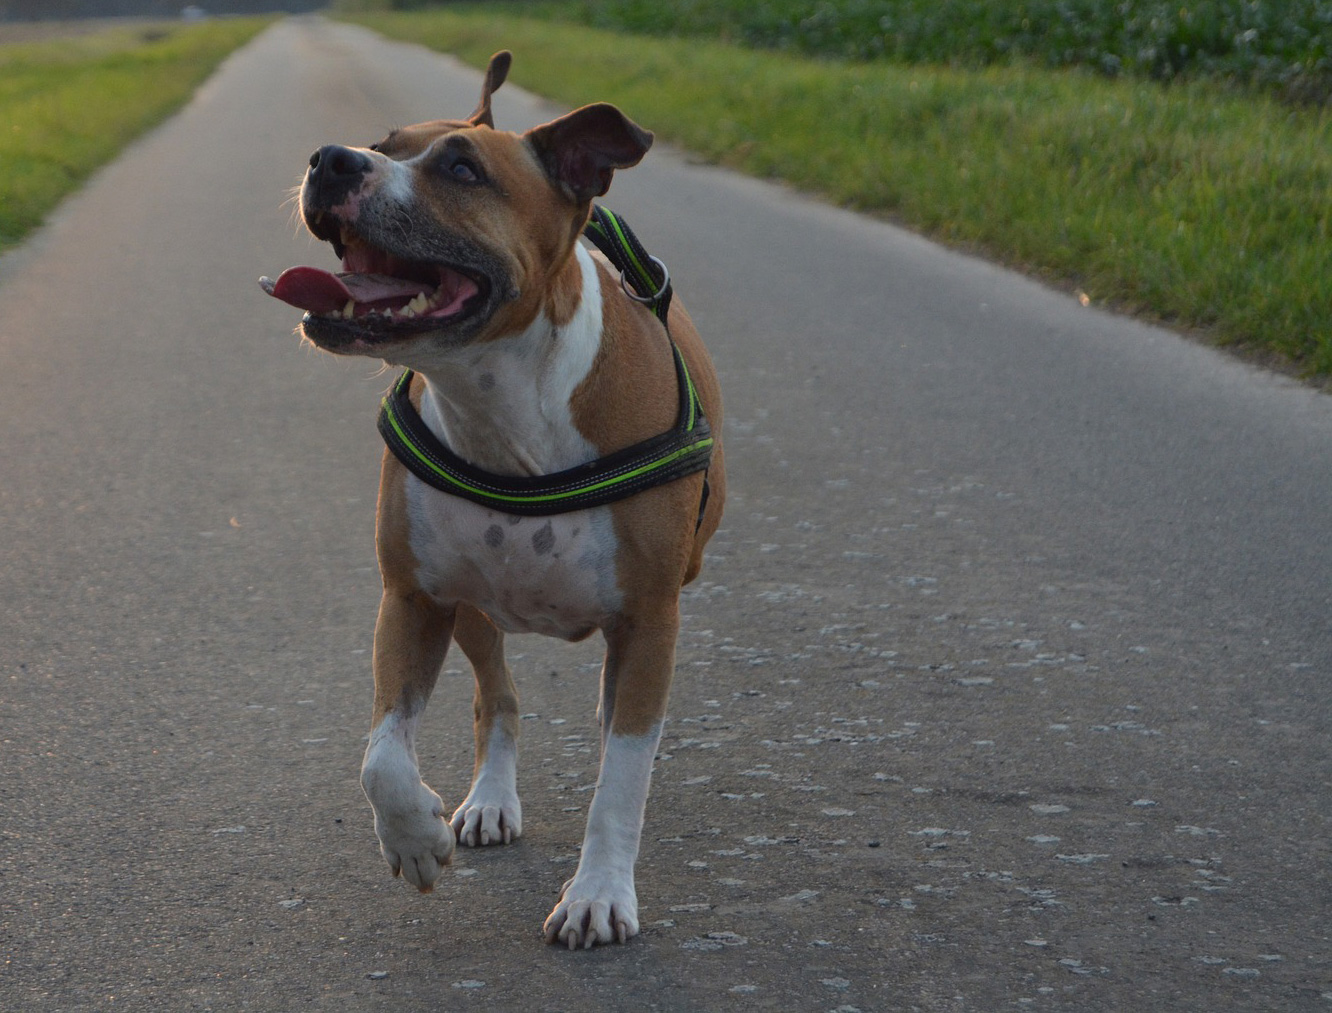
(464, 171)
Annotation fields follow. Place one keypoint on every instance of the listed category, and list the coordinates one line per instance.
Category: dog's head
(450, 231)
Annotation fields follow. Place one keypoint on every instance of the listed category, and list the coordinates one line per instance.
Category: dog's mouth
(380, 292)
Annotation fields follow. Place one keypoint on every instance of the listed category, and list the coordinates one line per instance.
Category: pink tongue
(319, 291)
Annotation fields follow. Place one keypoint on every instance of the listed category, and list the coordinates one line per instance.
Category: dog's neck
(504, 405)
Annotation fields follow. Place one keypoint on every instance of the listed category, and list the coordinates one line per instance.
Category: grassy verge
(68, 105)
(1283, 45)
(1189, 204)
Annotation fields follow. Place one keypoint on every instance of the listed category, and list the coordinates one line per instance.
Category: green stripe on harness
(683, 450)
(617, 241)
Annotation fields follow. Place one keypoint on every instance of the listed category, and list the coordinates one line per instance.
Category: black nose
(335, 173)
(334, 163)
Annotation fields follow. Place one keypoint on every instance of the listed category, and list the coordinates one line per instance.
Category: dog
(528, 357)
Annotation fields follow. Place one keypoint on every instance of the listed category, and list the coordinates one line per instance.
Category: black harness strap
(683, 450)
(613, 237)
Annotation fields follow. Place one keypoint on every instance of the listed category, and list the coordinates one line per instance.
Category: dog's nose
(335, 164)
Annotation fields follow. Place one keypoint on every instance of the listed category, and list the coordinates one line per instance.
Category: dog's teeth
(349, 310)
(419, 303)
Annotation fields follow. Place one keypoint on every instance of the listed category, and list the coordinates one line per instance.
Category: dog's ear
(496, 72)
(582, 150)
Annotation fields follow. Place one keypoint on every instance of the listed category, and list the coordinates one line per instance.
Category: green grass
(1196, 205)
(1282, 44)
(70, 104)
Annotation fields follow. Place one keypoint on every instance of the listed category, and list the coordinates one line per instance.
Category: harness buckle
(648, 300)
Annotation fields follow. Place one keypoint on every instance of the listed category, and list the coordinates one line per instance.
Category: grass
(1280, 44)
(68, 105)
(1196, 205)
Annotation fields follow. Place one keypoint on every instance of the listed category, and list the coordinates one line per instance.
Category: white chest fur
(550, 575)
(504, 406)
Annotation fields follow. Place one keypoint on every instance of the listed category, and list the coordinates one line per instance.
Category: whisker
(294, 199)
(403, 221)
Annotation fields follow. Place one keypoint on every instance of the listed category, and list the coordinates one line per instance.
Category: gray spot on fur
(494, 536)
(486, 381)
(543, 539)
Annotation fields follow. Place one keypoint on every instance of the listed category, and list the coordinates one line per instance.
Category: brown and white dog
(461, 260)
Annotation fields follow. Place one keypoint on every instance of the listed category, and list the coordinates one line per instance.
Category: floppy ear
(495, 75)
(582, 150)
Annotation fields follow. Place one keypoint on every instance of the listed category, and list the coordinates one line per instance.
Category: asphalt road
(1005, 686)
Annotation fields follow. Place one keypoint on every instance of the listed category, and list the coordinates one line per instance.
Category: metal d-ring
(647, 300)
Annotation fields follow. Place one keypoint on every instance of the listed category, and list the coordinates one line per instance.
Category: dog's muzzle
(335, 172)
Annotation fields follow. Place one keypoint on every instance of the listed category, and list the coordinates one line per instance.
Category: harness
(682, 450)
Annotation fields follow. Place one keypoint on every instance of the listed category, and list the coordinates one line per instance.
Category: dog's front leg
(491, 812)
(411, 639)
(599, 904)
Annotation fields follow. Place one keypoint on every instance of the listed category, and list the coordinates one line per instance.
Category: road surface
(1006, 685)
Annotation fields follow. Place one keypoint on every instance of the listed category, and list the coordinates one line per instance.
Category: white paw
(415, 840)
(488, 817)
(594, 908)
